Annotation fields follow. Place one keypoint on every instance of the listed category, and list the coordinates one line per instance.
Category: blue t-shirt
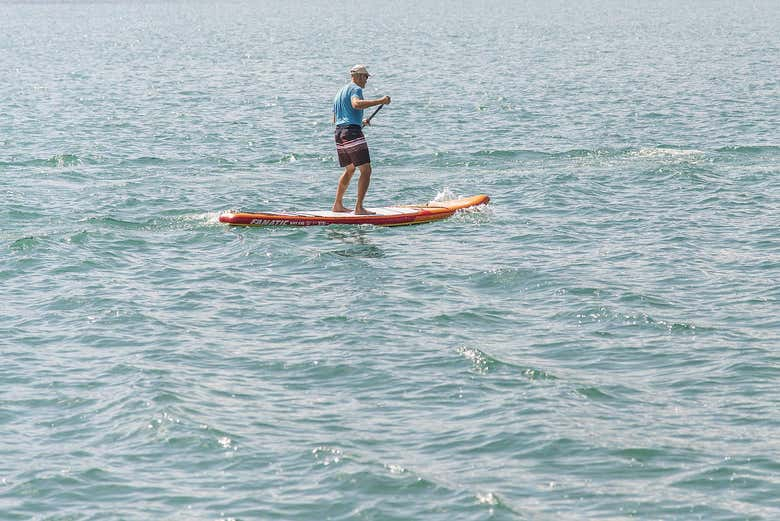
(342, 105)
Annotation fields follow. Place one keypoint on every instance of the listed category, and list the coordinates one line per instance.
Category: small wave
(446, 158)
(582, 152)
(582, 291)
(660, 151)
(461, 158)
(641, 454)
(714, 478)
(113, 222)
(654, 115)
(511, 153)
(56, 161)
(79, 237)
(488, 498)
(298, 157)
(327, 455)
(593, 393)
(541, 154)
(666, 152)
(25, 243)
(756, 149)
(510, 277)
(640, 298)
(143, 161)
(64, 160)
(449, 158)
(629, 319)
(483, 363)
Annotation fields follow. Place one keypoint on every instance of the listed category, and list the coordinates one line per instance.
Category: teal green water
(601, 342)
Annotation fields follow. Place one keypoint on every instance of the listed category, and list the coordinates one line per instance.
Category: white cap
(359, 69)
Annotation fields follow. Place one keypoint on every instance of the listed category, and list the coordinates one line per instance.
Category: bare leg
(346, 177)
(363, 182)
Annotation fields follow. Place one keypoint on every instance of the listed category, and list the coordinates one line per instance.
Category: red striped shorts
(351, 146)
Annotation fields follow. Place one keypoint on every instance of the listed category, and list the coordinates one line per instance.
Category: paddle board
(386, 216)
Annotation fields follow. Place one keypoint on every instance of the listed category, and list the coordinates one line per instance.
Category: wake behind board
(386, 216)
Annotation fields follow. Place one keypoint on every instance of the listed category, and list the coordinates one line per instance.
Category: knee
(365, 169)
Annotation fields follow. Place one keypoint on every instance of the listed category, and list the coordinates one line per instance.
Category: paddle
(372, 115)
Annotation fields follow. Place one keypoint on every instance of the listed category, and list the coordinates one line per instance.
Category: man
(351, 144)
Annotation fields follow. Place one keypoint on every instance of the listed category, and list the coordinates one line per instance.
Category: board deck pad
(384, 216)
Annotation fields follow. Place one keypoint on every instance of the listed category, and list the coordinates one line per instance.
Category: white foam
(444, 195)
(207, 217)
(667, 152)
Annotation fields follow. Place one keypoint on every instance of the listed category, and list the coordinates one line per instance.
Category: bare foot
(340, 209)
(363, 211)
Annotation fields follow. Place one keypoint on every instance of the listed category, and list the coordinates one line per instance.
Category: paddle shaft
(372, 115)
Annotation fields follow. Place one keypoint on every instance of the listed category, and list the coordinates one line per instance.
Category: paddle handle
(372, 115)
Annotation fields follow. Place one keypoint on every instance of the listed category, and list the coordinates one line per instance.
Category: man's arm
(360, 104)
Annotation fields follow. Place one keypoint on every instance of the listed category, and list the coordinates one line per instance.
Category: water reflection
(358, 241)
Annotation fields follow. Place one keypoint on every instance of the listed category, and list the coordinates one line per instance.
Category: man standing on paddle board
(351, 144)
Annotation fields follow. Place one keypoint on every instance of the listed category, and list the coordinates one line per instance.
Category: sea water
(601, 342)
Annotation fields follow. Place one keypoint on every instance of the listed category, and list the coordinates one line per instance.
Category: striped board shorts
(351, 146)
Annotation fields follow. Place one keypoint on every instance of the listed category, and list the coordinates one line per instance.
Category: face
(360, 79)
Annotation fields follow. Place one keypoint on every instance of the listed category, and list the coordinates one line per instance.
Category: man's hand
(386, 100)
